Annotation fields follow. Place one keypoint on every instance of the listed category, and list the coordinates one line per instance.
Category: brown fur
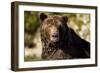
(69, 45)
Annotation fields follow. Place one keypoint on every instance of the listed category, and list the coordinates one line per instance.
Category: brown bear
(60, 41)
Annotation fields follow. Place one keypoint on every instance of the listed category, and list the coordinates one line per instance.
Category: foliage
(31, 21)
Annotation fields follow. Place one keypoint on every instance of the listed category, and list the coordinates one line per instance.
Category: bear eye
(60, 27)
(60, 24)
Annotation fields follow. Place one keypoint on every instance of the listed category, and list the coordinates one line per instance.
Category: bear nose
(55, 35)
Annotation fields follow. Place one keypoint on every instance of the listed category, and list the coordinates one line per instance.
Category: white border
(23, 64)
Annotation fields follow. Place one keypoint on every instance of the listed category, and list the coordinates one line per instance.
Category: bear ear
(42, 16)
(65, 19)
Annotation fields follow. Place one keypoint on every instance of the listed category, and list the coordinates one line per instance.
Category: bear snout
(55, 37)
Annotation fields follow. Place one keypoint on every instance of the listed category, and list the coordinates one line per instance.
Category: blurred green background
(32, 41)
